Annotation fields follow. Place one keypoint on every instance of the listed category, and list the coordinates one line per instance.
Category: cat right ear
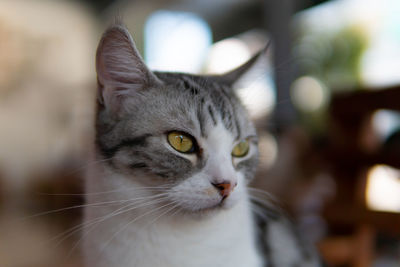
(232, 77)
(121, 71)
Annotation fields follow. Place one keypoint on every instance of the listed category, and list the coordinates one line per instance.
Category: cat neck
(225, 238)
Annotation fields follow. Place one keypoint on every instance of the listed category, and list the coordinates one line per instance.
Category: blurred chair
(351, 151)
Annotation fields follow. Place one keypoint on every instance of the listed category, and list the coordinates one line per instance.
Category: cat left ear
(121, 71)
(231, 77)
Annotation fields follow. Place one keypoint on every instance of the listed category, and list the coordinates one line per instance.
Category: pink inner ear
(120, 69)
(118, 62)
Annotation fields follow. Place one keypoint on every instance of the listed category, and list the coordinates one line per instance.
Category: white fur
(144, 238)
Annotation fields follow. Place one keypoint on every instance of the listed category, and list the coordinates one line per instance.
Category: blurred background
(325, 99)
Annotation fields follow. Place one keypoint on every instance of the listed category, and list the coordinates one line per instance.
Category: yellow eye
(241, 149)
(181, 142)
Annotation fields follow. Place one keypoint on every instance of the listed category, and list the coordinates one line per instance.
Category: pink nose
(224, 188)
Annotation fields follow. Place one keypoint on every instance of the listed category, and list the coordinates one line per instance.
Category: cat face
(187, 134)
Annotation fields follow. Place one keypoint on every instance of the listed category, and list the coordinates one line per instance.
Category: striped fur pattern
(184, 102)
(151, 205)
(279, 240)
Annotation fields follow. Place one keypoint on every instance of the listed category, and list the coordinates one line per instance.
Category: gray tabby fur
(136, 109)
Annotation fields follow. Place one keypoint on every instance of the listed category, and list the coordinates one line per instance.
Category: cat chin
(210, 211)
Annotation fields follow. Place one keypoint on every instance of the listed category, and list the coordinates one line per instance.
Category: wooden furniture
(350, 151)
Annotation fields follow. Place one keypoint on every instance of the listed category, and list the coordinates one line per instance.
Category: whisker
(88, 205)
(81, 226)
(71, 207)
(115, 213)
(98, 220)
(64, 235)
(176, 211)
(132, 221)
(265, 199)
(266, 194)
(259, 211)
(163, 213)
(107, 192)
(264, 202)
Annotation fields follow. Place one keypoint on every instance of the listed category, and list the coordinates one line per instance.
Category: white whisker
(110, 192)
(163, 213)
(98, 220)
(132, 221)
(100, 204)
(76, 228)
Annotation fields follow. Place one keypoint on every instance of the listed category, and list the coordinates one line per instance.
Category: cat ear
(121, 71)
(235, 75)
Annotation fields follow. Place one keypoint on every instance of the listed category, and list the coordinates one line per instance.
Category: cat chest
(166, 247)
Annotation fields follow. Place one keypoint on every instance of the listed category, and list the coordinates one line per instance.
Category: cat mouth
(214, 207)
(207, 206)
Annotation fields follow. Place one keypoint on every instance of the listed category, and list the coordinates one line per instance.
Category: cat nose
(224, 188)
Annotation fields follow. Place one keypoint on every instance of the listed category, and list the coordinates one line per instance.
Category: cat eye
(181, 142)
(241, 149)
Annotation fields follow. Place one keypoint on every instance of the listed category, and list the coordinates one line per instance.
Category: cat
(174, 155)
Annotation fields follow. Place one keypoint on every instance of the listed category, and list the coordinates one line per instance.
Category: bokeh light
(385, 122)
(383, 189)
(226, 55)
(308, 94)
(176, 41)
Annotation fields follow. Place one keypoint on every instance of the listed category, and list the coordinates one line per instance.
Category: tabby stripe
(161, 174)
(110, 152)
(238, 129)
(299, 242)
(201, 118)
(230, 123)
(191, 84)
(265, 245)
(211, 112)
(138, 165)
(220, 101)
(264, 221)
(262, 238)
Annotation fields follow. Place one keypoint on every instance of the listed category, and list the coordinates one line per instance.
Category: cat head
(184, 133)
